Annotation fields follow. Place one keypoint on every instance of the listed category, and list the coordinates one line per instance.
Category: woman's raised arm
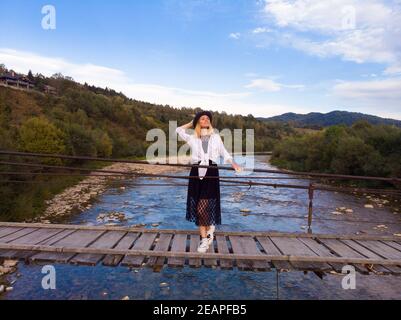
(181, 131)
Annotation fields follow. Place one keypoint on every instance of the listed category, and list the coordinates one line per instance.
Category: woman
(203, 197)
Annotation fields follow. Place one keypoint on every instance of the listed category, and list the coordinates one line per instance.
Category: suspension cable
(120, 175)
(274, 185)
(128, 183)
(321, 175)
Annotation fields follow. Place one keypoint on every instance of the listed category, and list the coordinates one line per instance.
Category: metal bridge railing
(237, 180)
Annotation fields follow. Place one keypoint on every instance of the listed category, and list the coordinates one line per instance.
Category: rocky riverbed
(80, 197)
(7, 267)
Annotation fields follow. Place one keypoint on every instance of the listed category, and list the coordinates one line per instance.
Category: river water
(271, 210)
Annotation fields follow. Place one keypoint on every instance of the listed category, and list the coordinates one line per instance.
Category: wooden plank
(393, 244)
(247, 245)
(35, 237)
(8, 230)
(15, 235)
(236, 245)
(125, 243)
(194, 242)
(57, 237)
(370, 254)
(396, 246)
(210, 262)
(79, 238)
(251, 247)
(222, 247)
(343, 250)
(144, 242)
(149, 252)
(294, 247)
(179, 245)
(270, 249)
(381, 249)
(107, 240)
(162, 245)
(243, 233)
(322, 251)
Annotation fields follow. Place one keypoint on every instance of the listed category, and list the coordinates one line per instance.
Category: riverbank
(80, 197)
(378, 200)
(7, 267)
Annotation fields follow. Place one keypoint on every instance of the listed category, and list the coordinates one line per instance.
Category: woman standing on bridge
(203, 197)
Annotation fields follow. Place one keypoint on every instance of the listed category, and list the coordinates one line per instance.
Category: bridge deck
(155, 248)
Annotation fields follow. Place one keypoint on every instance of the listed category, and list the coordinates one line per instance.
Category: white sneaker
(210, 234)
(203, 245)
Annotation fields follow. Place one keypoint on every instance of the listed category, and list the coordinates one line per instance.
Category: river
(270, 210)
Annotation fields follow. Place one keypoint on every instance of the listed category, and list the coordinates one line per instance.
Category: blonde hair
(197, 131)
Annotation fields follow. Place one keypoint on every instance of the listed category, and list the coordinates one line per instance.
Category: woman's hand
(188, 125)
(236, 167)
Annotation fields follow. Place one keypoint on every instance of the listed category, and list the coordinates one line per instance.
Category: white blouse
(215, 150)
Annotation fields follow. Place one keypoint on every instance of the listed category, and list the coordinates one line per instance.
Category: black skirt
(203, 198)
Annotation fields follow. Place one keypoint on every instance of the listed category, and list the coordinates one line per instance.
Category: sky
(259, 57)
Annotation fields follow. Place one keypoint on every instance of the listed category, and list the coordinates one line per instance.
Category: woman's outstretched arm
(227, 157)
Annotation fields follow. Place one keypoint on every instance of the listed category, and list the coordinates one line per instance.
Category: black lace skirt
(203, 198)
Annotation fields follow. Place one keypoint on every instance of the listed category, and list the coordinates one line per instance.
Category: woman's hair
(197, 131)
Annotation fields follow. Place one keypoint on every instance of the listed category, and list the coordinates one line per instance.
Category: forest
(84, 120)
(360, 149)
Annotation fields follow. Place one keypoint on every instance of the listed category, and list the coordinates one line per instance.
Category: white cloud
(378, 90)
(22, 61)
(394, 69)
(330, 17)
(270, 85)
(235, 35)
(231, 102)
(378, 97)
(356, 30)
(261, 30)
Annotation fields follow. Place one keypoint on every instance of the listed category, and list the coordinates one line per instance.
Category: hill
(58, 115)
(319, 120)
(102, 122)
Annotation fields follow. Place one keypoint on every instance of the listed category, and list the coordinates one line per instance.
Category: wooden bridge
(155, 248)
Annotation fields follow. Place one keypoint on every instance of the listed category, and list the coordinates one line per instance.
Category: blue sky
(239, 56)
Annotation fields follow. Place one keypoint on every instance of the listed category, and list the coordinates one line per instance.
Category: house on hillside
(13, 79)
(49, 89)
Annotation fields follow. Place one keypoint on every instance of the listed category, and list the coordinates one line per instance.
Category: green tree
(30, 76)
(38, 134)
(354, 156)
(103, 143)
(80, 141)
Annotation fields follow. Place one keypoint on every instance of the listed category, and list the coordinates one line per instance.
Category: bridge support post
(310, 209)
